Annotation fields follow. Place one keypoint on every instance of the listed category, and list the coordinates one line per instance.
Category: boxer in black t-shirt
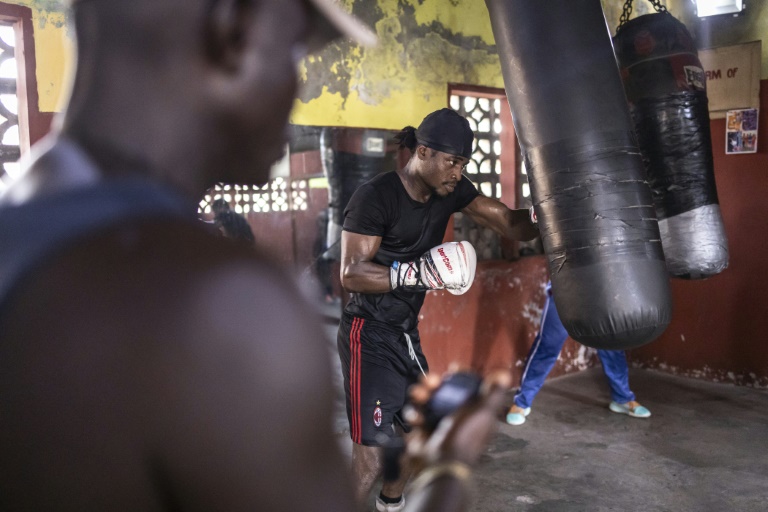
(389, 259)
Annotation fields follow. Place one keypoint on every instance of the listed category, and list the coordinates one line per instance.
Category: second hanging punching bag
(666, 90)
(595, 210)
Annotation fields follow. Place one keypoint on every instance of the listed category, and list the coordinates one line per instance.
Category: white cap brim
(342, 23)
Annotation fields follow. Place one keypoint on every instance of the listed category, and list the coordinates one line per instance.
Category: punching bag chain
(627, 11)
(658, 6)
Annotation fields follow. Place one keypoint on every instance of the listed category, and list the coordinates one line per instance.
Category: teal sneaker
(632, 408)
(518, 418)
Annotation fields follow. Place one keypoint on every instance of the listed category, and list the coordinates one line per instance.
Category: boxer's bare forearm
(493, 214)
(359, 274)
(365, 277)
(519, 225)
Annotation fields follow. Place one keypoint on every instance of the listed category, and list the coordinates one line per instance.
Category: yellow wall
(53, 50)
(424, 45)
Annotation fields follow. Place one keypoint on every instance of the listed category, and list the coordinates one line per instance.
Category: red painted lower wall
(494, 324)
(718, 324)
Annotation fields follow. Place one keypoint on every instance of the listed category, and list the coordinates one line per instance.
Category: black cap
(447, 131)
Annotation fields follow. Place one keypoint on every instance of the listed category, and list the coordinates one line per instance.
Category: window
(21, 122)
(496, 167)
(484, 116)
(484, 109)
(279, 195)
(10, 143)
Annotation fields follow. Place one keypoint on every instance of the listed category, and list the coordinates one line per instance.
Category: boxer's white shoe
(390, 507)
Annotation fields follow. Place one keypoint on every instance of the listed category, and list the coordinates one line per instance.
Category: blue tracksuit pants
(545, 350)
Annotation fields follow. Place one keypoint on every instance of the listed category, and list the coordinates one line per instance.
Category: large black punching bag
(596, 215)
(666, 90)
(348, 162)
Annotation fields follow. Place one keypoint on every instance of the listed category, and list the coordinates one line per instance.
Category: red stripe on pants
(354, 378)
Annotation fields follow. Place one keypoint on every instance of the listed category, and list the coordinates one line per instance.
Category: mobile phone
(456, 390)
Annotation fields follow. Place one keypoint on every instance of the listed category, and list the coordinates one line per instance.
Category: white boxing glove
(449, 266)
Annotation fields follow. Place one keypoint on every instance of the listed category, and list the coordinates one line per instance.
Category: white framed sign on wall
(733, 77)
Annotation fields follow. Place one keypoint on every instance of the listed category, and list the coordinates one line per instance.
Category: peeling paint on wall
(52, 12)
(584, 357)
(532, 312)
(46, 6)
(423, 46)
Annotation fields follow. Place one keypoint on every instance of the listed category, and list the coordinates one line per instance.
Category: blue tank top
(33, 232)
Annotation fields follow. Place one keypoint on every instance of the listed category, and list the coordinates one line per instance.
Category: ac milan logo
(377, 416)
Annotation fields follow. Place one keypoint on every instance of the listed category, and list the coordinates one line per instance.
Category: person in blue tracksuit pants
(543, 356)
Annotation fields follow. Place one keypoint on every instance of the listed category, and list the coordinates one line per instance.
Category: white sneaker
(390, 507)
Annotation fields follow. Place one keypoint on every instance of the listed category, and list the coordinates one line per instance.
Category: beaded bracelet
(456, 470)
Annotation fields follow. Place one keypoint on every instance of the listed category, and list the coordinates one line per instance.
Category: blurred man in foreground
(145, 363)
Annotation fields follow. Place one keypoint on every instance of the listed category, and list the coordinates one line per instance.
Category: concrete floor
(704, 449)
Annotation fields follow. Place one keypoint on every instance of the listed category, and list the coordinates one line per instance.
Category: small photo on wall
(741, 131)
